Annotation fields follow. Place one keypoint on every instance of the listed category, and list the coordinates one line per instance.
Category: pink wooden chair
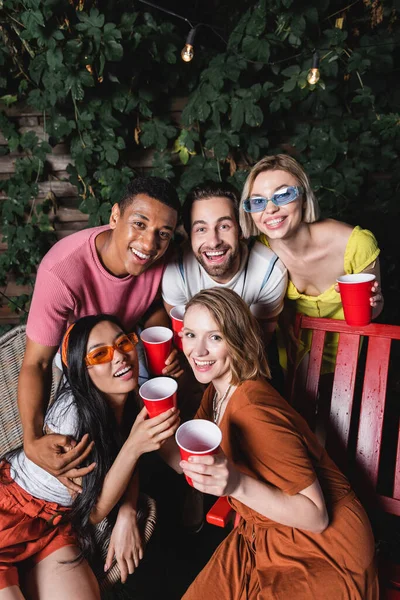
(362, 432)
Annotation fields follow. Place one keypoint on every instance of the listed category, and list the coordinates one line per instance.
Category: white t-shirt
(261, 280)
(61, 418)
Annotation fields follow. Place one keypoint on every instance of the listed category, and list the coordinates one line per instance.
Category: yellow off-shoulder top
(361, 250)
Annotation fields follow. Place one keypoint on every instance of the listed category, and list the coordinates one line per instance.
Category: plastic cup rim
(369, 277)
(193, 451)
(158, 399)
(179, 306)
(170, 334)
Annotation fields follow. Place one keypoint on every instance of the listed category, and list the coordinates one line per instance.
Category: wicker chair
(12, 348)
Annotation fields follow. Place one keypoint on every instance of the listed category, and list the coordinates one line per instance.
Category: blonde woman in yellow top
(279, 206)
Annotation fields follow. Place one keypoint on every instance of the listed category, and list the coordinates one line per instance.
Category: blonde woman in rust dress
(303, 533)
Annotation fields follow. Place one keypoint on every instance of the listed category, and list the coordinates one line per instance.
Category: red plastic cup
(157, 342)
(355, 292)
(198, 437)
(159, 395)
(176, 315)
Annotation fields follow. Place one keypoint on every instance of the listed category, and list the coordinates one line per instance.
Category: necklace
(217, 406)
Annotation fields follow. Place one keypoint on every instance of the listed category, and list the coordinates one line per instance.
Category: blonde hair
(279, 162)
(240, 331)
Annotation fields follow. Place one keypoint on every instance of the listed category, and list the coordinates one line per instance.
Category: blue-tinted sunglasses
(284, 196)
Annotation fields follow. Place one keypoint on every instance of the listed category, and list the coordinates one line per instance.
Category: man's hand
(173, 367)
(125, 543)
(61, 456)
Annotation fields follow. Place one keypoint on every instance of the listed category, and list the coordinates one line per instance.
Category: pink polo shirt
(72, 283)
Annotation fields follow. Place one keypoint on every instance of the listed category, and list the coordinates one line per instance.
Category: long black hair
(96, 418)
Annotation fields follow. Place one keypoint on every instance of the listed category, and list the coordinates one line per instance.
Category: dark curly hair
(155, 187)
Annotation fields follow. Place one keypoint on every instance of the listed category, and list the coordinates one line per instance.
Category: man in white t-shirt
(216, 256)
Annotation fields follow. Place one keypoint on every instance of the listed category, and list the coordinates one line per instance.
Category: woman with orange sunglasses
(45, 534)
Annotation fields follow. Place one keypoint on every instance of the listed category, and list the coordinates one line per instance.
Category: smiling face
(215, 237)
(277, 222)
(205, 348)
(140, 236)
(119, 376)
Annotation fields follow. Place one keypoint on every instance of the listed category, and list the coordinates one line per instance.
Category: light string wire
(304, 53)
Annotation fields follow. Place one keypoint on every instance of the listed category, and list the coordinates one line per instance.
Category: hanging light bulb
(188, 52)
(314, 74)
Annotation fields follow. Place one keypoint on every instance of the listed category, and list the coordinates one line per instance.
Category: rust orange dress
(262, 559)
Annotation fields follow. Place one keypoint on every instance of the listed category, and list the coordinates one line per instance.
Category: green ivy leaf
(199, 169)
(89, 21)
(104, 212)
(198, 106)
(256, 23)
(237, 34)
(111, 153)
(170, 53)
(156, 133)
(291, 71)
(255, 144)
(363, 96)
(237, 114)
(72, 50)
(29, 140)
(188, 138)
(74, 83)
(220, 142)
(256, 49)
(54, 58)
(161, 166)
(36, 67)
(113, 50)
(32, 19)
(289, 85)
(253, 115)
(9, 99)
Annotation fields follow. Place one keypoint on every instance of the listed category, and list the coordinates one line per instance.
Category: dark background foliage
(104, 73)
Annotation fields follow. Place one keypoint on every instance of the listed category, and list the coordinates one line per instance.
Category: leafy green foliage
(104, 75)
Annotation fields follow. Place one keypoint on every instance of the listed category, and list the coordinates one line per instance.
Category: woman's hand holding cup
(377, 297)
(148, 435)
(212, 474)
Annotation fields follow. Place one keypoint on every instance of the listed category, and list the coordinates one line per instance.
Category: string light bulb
(187, 53)
(314, 74)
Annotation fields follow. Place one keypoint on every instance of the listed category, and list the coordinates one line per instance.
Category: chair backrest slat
(338, 428)
(396, 487)
(308, 401)
(314, 368)
(372, 409)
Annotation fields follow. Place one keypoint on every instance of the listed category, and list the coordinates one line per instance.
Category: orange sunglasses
(104, 354)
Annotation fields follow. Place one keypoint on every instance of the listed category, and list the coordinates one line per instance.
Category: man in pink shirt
(114, 269)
